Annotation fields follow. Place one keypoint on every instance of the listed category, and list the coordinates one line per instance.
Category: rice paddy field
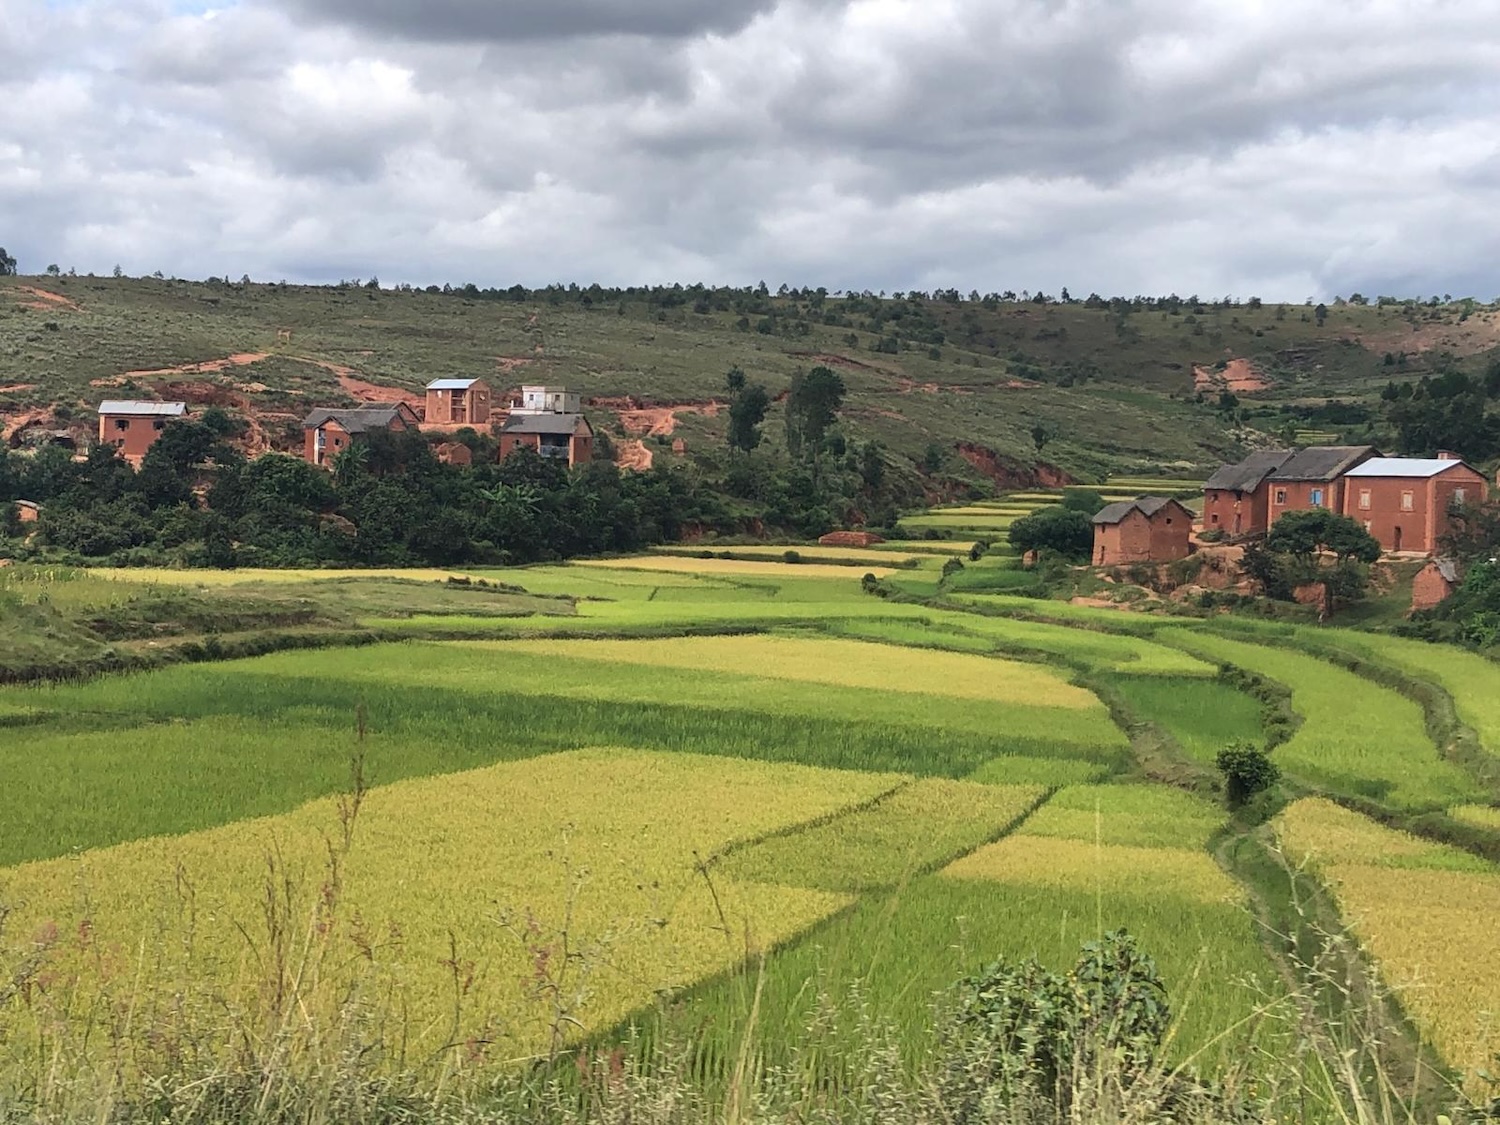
(746, 797)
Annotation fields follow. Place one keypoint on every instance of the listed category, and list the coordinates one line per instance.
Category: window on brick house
(1317, 498)
(1406, 501)
(158, 425)
(1281, 496)
(122, 423)
(1364, 501)
(1459, 495)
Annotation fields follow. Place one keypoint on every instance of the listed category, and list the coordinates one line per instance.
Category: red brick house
(458, 402)
(133, 427)
(1433, 583)
(566, 437)
(1235, 498)
(329, 431)
(1149, 530)
(1313, 478)
(1404, 501)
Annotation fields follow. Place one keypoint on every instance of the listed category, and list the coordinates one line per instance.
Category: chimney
(1448, 455)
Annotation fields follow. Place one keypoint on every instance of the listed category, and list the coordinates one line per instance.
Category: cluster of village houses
(548, 420)
(1404, 502)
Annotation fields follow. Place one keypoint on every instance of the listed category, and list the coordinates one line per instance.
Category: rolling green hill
(1122, 386)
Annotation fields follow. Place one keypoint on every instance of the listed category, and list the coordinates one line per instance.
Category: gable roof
(451, 384)
(1324, 462)
(1148, 506)
(543, 424)
(359, 419)
(143, 409)
(1249, 473)
(1414, 468)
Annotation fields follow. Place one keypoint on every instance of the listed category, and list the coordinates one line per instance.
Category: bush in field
(1062, 531)
(1247, 770)
(1023, 1037)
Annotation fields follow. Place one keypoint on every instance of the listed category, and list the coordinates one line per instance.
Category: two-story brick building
(1235, 499)
(463, 402)
(132, 427)
(548, 420)
(1149, 530)
(329, 431)
(1313, 478)
(1403, 501)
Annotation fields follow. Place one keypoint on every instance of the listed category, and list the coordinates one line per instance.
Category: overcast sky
(1281, 148)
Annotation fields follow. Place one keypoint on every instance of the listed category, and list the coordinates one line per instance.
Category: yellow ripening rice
(1426, 913)
(841, 662)
(1480, 816)
(1078, 865)
(737, 568)
(481, 870)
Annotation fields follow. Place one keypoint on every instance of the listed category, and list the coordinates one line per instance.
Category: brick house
(1433, 583)
(1235, 498)
(27, 511)
(329, 431)
(563, 436)
(458, 402)
(1149, 530)
(1404, 501)
(133, 427)
(1313, 478)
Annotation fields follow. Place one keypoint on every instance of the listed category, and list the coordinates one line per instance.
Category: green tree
(748, 404)
(7, 264)
(812, 406)
(1320, 313)
(1084, 500)
(1040, 436)
(1061, 531)
(1297, 550)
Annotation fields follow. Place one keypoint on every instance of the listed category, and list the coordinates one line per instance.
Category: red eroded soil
(46, 301)
(656, 421)
(207, 367)
(1009, 473)
(506, 364)
(12, 423)
(633, 455)
(1239, 377)
(17, 388)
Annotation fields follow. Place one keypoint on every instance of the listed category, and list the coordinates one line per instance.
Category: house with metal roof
(1404, 502)
(1152, 529)
(132, 426)
(458, 402)
(1313, 478)
(328, 431)
(566, 437)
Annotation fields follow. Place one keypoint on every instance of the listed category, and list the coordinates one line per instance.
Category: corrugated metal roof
(1415, 468)
(143, 409)
(543, 423)
(1248, 474)
(355, 419)
(1146, 505)
(1324, 462)
(451, 384)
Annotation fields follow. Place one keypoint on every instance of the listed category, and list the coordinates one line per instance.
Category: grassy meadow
(743, 800)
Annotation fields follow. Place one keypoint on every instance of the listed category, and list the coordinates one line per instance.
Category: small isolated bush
(1060, 530)
(952, 567)
(979, 550)
(791, 556)
(1247, 770)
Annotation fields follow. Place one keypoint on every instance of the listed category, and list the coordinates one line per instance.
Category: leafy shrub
(1247, 770)
(1061, 530)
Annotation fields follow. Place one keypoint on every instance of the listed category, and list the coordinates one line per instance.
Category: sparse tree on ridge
(7, 264)
(748, 404)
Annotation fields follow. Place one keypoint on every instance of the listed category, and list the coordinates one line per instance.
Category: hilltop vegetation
(954, 389)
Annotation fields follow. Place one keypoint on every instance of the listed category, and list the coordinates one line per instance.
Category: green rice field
(748, 789)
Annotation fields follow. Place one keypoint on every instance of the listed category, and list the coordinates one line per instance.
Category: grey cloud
(512, 20)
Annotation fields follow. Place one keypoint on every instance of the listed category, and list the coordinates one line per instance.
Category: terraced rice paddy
(1424, 911)
(880, 794)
